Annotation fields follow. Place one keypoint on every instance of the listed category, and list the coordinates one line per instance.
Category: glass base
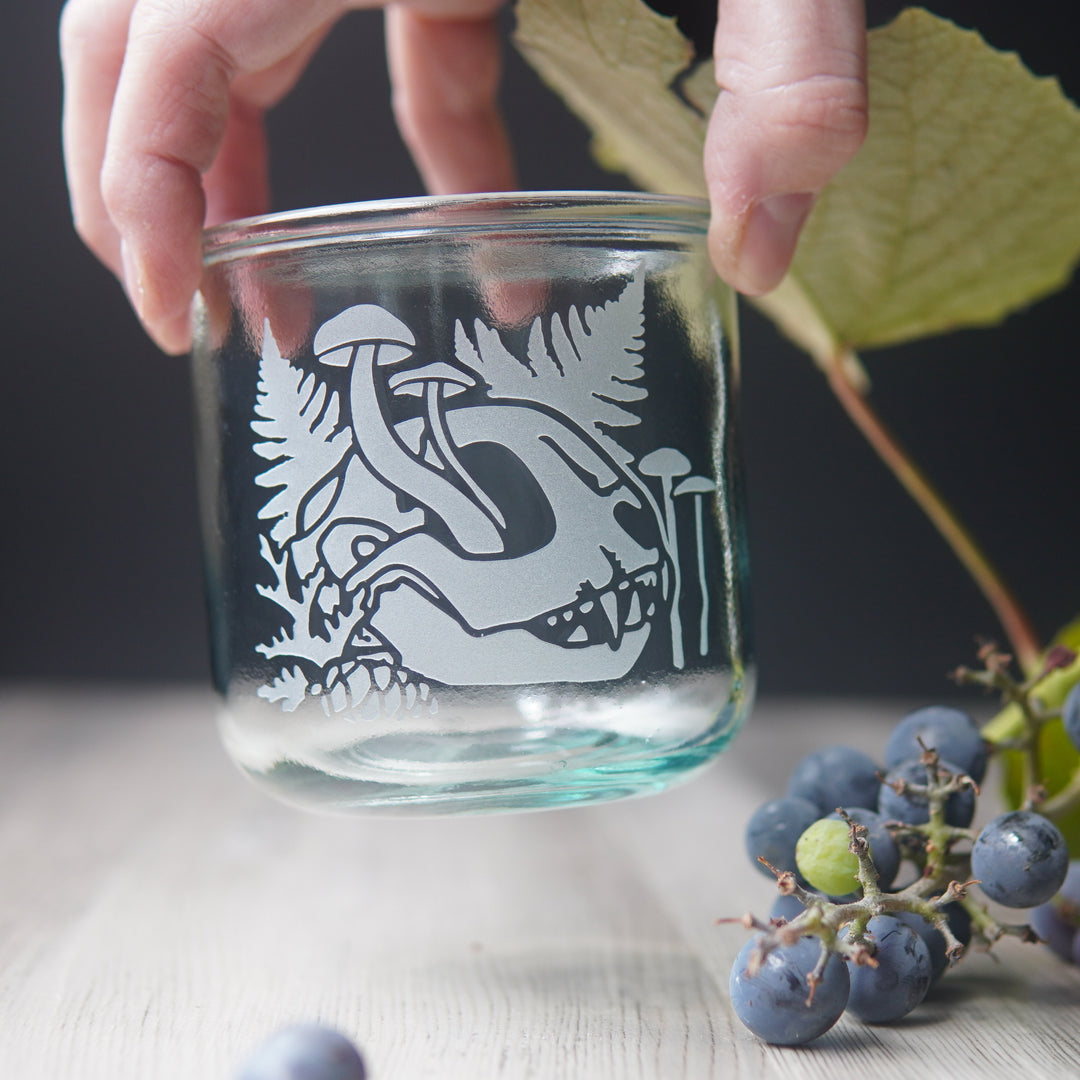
(410, 770)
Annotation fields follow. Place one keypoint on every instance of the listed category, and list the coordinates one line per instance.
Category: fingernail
(133, 277)
(770, 238)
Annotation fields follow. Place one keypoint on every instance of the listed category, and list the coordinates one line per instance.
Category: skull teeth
(605, 617)
(610, 606)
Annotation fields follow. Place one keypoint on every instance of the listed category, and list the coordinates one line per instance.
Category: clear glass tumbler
(470, 480)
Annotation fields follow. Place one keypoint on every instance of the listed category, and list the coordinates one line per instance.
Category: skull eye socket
(511, 486)
(639, 523)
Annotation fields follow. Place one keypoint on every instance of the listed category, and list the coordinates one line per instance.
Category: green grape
(824, 857)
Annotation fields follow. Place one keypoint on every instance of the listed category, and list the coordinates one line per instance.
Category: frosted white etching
(467, 518)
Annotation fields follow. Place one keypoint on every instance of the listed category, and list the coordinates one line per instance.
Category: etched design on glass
(468, 518)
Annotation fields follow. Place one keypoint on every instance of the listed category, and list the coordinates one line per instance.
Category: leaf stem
(1014, 620)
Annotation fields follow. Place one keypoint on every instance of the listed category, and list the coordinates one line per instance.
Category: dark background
(854, 592)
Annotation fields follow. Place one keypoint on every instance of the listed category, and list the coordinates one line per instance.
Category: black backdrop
(853, 590)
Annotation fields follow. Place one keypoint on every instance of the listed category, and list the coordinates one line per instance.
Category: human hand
(163, 120)
(164, 105)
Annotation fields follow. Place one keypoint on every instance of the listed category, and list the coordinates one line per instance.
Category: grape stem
(1034, 715)
(1014, 620)
(944, 881)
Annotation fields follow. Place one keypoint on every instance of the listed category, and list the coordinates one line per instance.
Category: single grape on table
(305, 1052)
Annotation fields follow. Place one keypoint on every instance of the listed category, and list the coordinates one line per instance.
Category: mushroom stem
(678, 656)
(391, 461)
(433, 399)
(703, 633)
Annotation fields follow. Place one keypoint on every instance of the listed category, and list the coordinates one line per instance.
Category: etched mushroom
(435, 383)
(363, 338)
(699, 486)
(666, 464)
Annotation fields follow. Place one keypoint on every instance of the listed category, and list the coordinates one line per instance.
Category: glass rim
(595, 213)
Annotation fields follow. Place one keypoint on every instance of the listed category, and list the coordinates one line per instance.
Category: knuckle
(829, 107)
(824, 119)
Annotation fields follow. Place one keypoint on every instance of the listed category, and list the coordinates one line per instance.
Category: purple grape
(891, 990)
(774, 830)
(836, 776)
(960, 924)
(883, 849)
(773, 1003)
(1020, 859)
(1070, 715)
(1069, 893)
(951, 732)
(1057, 921)
(305, 1052)
(913, 809)
(1060, 936)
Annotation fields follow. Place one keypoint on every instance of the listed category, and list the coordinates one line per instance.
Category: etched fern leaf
(586, 364)
(300, 423)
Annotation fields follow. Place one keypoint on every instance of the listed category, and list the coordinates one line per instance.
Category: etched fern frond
(586, 364)
(295, 638)
(301, 425)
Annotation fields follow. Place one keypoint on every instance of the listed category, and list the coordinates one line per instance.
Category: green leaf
(1052, 691)
(615, 63)
(962, 207)
(1060, 761)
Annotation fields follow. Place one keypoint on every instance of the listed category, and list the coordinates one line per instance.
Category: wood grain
(159, 918)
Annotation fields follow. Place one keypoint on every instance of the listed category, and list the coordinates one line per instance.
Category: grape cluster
(843, 936)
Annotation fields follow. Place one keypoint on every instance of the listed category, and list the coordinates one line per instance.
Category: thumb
(792, 111)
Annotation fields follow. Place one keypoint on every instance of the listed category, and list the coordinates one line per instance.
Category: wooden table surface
(159, 918)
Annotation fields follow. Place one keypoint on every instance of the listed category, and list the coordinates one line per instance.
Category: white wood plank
(159, 917)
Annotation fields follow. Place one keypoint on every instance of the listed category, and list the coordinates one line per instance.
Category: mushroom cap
(694, 485)
(667, 461)
(413, 380)
(357, 325)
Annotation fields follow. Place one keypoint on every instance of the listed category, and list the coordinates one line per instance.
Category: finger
(445, 73)
(791, 112)
(93, 37)
(237, 184)
(173, 111)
